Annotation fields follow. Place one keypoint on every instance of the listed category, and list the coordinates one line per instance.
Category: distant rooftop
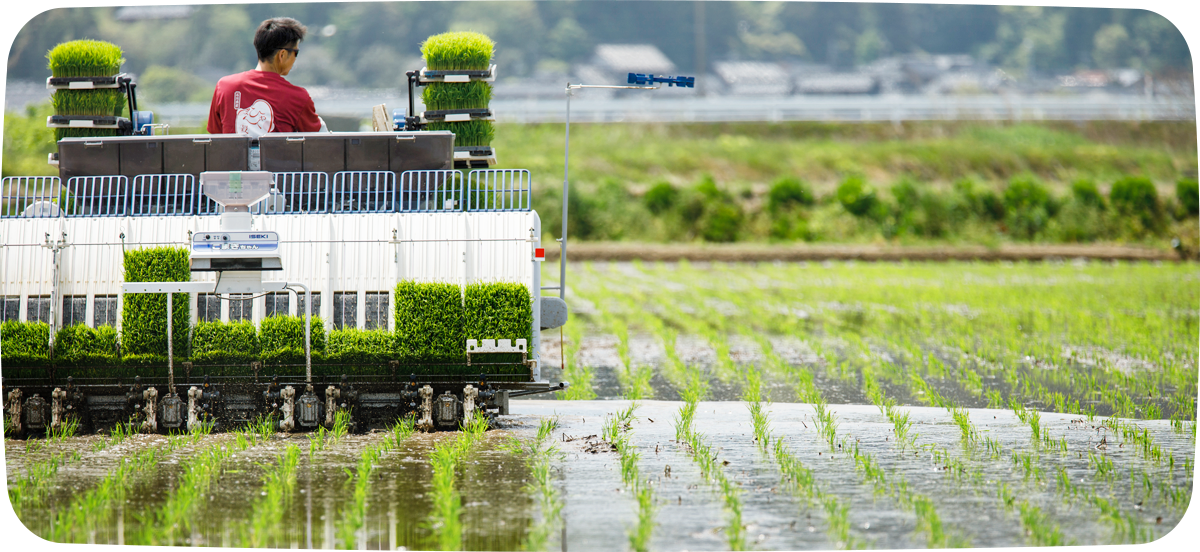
(140, 13)
(633, 58)
(750, 72)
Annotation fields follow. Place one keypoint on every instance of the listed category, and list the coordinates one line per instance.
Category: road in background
(671, 106)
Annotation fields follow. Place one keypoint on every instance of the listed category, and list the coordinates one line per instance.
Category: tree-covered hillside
(371, 44)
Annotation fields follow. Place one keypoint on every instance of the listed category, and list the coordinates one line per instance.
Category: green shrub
(144, 316)
(1135, 198)
(355, 346)
(1085, 192)
(79, 345)
(1187, 192)
(429, 321)
(25, 343)
(919, 212)
(661, 198)
(224, 343)
(279, 333)
(1027, 206)
(970, 201)
(789, 192)
(857, 196)
(712, 213)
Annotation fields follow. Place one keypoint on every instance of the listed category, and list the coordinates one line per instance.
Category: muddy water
(599, 510)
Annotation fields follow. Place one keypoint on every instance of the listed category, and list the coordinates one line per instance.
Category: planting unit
(375, 232)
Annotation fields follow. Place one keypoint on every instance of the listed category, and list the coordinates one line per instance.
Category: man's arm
(214, 112)
(308, 121)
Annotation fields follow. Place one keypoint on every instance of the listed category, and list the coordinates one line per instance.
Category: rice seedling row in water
(264, 524)
(1035, 522)
(796, 477)
(617, 431)
(634, 380)
(353, 516)
(173, 519)
(321, 438)
(702, 453)
(94, 509)
(928, 519)
(538, 455)
(447, 502)
(30, 490)
(578, 373)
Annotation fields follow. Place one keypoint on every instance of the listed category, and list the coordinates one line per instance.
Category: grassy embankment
(935, 182)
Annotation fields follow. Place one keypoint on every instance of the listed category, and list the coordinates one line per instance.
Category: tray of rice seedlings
(86, 59)
(458, 76)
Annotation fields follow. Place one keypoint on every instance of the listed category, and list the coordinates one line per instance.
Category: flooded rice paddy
(724, 407)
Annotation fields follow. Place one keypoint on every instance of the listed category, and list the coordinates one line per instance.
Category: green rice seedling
(1039, 529)
(353, 516)
(94, 509)
(85, 58)
(457, 51)
(63, 431)
(575, 372)
(271, 506)
(32, 487)
(445, 520)
(538, 455)
(467, 95)
(429, 321)
(172, 520)
(103, 102)
(476, 132)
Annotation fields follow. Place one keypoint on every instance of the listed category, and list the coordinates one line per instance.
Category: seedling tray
(457, 115)
(460, 75)
(84, 83)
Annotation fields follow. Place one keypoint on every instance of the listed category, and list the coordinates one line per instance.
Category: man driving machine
(259, 101)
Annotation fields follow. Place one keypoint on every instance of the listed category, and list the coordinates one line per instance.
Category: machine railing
(97, 196)
(31, 197)
(162, 195)
(498, 190)
(435, 191)
(296, 192)
(430, 191)
(363, 192)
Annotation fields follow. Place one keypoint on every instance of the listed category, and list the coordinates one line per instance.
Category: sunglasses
(295, 51)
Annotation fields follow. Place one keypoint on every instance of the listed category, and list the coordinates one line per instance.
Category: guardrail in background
(293, 193)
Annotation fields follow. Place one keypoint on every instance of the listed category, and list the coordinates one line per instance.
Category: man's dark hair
(276, 33)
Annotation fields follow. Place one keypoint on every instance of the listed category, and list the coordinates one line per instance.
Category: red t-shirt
(257, 102)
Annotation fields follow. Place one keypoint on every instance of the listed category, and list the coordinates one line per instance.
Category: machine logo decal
(256, 120)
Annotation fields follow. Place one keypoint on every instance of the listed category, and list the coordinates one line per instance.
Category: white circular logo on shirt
(256, 120)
